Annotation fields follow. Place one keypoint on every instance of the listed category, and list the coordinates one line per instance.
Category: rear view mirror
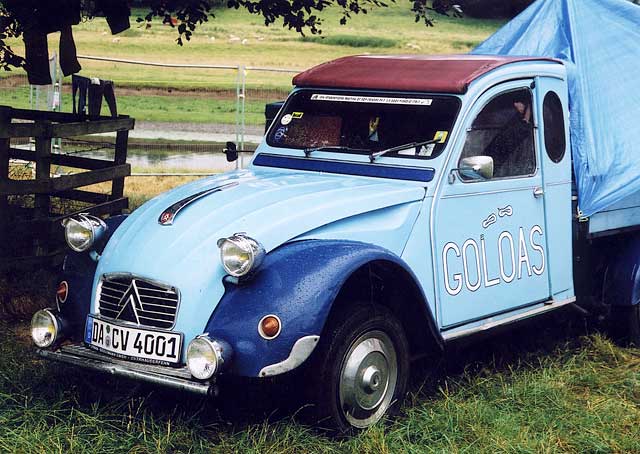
(476, 168)
(231, 151)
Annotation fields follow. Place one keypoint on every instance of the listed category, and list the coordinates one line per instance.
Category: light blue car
(395, 205)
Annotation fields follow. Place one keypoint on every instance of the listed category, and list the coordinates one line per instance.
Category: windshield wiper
(377, 154)
(308, 151)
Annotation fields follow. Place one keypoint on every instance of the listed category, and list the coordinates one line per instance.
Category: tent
(599, 41)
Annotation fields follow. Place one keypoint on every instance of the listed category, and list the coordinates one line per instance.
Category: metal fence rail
(238, 92)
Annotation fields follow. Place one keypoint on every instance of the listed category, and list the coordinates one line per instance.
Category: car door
(489, 233)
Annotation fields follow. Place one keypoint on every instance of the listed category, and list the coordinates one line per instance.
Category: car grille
(132, 299)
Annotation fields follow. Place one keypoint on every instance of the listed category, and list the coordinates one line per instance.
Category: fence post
(5, 118)
(117, 186)
(43, 172)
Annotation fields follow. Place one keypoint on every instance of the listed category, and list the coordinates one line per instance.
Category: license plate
(143, 345)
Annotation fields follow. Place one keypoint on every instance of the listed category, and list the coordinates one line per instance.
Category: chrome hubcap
(368, 379)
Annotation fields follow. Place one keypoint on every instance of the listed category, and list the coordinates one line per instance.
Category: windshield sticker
(286, 119)
(374, 122)
(297, 115)
(441, 136)
(281, 134)
(372, 99)
(427, 150)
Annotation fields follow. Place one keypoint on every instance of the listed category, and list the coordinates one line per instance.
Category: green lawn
(547, 390)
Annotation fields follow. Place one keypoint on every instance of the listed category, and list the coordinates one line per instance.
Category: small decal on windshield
(372, 99)
(286, 119)
(297, 115)
(441, 136)
(280, 134)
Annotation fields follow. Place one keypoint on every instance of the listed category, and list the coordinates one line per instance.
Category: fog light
(269, 327)
(206, 356)
(44, 328)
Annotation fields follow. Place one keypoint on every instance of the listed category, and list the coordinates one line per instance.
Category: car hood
(271, 207)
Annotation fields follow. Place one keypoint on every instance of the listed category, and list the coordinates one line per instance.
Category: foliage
(495, 8)
(187, 15)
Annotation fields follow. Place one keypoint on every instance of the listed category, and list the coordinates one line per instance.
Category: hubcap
(368, 379)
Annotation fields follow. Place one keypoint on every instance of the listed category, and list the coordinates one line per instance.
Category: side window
(504, 131)
(554, 132)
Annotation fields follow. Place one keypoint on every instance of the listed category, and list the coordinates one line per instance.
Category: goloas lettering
(465, 262)
(503, 274)
(456, 277)
(538, 248)
(523, 254)
(488, 282)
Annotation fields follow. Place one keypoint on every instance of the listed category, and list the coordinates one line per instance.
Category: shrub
(494, 8)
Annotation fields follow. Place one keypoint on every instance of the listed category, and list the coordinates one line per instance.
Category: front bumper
(177, 378)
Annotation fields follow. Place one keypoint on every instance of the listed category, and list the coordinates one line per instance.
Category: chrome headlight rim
(93, 225)
(54, 323)
(253, 248)
(215, 347)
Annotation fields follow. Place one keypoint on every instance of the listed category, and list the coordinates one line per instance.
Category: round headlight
(44, 328)
(206, 356)
(240, 254)
(82, 231)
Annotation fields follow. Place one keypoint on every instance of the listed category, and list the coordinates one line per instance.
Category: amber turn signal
(62, 292)
(269, 327)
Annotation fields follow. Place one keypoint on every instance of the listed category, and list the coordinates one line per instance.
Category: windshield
(365, 122)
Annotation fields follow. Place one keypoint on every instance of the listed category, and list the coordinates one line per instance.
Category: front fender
(79, 270)
(298, 282)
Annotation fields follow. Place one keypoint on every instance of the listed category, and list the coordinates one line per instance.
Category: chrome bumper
(178, 378)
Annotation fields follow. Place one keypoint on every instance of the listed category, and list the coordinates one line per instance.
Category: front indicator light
(207, 357)
(269, 327)
(62, 292)
(45, 328)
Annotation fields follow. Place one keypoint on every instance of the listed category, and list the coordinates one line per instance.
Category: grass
(219, 41)
(351, 41)
(171, 107)
(543, 391)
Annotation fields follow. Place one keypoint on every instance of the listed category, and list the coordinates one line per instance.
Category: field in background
(204, 95)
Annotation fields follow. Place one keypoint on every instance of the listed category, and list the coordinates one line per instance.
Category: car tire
(624, 324)
(359, 372)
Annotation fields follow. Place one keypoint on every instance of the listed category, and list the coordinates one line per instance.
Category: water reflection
(144, 160)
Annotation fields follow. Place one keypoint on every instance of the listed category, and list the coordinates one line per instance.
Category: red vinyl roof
(432, 73)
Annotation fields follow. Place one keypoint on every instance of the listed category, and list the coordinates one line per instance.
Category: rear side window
(554, 132)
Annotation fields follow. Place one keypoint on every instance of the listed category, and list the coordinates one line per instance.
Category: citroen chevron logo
(131, 299)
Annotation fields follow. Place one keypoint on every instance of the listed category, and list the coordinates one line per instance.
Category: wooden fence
(31, 234)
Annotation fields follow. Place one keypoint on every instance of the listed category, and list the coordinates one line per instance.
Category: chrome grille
(137, 300)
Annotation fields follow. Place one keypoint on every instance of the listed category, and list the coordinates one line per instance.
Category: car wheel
(624, 324)
(359, 372)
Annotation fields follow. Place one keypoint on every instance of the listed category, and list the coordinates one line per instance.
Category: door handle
(538, 192)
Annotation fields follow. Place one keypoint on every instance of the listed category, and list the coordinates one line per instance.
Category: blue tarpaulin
(599, 42)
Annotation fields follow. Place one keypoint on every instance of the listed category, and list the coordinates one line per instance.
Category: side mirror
(231, 151)
(476, 168)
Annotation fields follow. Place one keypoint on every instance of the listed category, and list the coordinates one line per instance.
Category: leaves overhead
(186, 15)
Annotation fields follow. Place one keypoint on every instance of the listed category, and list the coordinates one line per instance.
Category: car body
(361, 250)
